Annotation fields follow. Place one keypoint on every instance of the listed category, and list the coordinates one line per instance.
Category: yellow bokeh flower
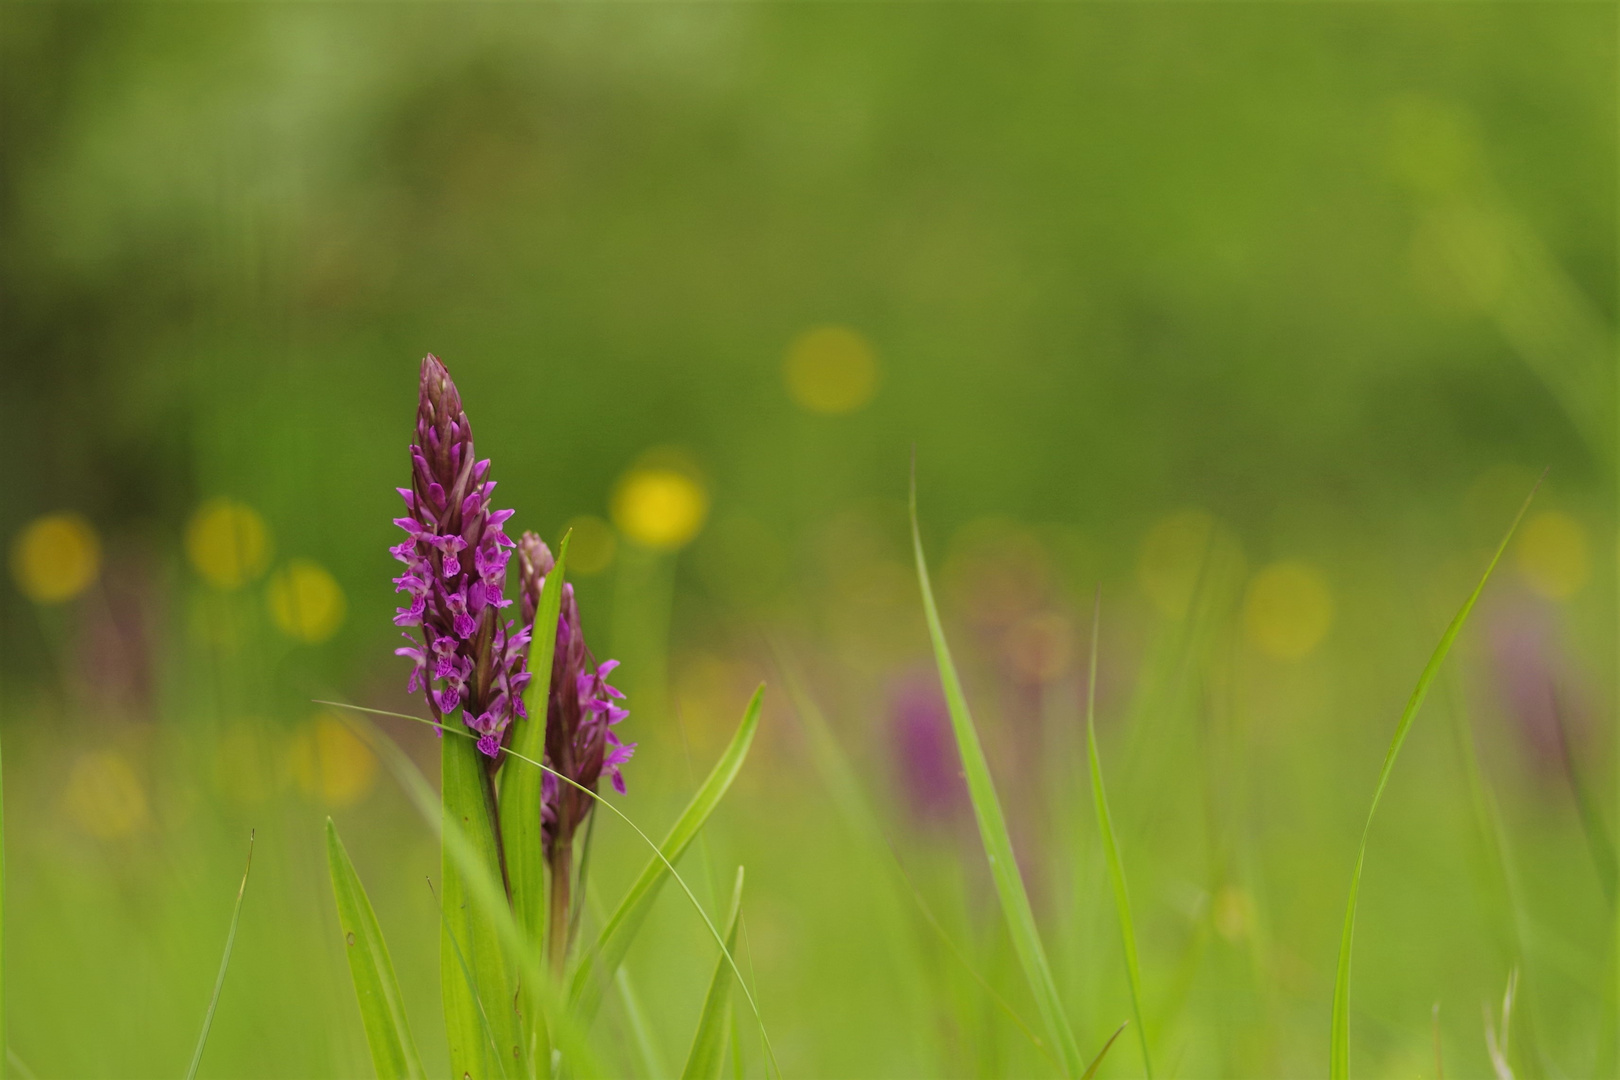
(1180, 554)
(1552, 555)
(592, 546)
(831, 370)
(1288, 610)
(104, 797)
(306, 602)
(55, 558)
(330, 763)
(227, 543)
(660, 507)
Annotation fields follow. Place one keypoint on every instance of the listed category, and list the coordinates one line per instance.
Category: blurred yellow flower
(593, 545)
(660, 507)
(104, 797)
(55, 558)
(831, 370)
(1552, 555)
(1288, 610)
(330, 763)
(227, 543)
(1180, 550)
(306, 602)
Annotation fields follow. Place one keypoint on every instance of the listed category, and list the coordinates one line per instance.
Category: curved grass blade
(484, 891)
(1105, 827)
(519, 806)
(1096, 1062)
(708, 1050)
(993, 826)
(1339, 1068)
(224, 965)
(382, 1008)
(620, 930)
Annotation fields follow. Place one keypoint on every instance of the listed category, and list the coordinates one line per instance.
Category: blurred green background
(1262, 318)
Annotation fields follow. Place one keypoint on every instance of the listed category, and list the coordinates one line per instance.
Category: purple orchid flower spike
(581, 711)
(465, 655)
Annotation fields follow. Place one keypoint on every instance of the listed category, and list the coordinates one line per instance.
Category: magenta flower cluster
(581, 713)
(466, 657)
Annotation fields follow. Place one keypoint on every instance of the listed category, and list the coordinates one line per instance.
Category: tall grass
(1340, 1040)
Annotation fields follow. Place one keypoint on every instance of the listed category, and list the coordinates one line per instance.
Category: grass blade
(1597, 837)
(486, 987)
(382, 1009)
(993, 826)
(1339, 1067)
(862, 820)
(652, 1060)
(620, 930)
(1096, 1062)
(1105, 827)
(521, 788)
(708, 1050)
(224, 965)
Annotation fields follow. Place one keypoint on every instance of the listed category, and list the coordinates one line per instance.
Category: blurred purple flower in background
(924, 752)
(466, 656)
(1532, 677)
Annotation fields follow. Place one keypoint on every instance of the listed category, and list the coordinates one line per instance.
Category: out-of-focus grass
(1304, 288)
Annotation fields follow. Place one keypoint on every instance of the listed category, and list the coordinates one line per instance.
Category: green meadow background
(1261, 319)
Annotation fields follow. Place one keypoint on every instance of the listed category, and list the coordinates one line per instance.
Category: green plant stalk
(224, 965)
(993, 827)
(708, 1051)
(562, 899)
(486, 987)
(1339, 1064)
(1105, 828)
(519, 807)
(382, 1006)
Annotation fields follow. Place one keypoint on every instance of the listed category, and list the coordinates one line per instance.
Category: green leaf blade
(599, 964)
(1116, 865)
(1339, 1064)
(382, 1008)
(708, 1050)
(1020, 916)
(475, 978)
(521, 788)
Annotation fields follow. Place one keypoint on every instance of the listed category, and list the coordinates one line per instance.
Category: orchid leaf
(382, 1007)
